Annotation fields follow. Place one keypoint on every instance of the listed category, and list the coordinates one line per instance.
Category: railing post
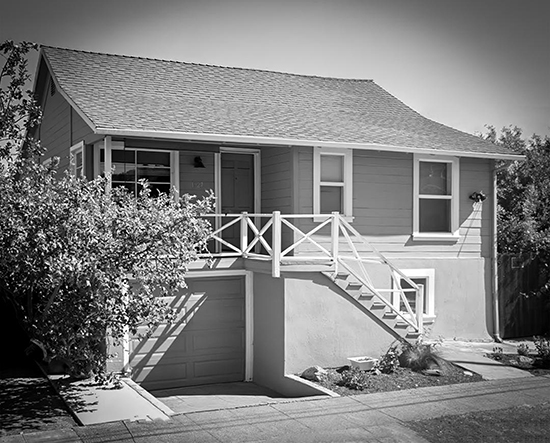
(335, 233)
(276, 255)
(244, 232)
(420, 308)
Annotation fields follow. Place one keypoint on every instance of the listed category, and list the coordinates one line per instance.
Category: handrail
(340, 228)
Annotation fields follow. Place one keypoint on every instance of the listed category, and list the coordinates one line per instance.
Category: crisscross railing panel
(341, 231)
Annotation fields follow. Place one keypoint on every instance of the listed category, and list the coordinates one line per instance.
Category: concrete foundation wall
(323, 328)
(462, 296)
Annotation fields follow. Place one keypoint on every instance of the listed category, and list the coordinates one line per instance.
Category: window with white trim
(436, 204)
(76, 160)
(424, 277)
(130, 165)
(332, 181)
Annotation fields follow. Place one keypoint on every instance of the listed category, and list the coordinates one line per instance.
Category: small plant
(497, 353)
(389, 362)
(418, 356)
(354, 378)
(523, 349)
(543, 350)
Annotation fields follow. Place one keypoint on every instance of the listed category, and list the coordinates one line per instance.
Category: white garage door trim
(249, 316)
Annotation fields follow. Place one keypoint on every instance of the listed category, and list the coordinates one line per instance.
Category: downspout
(494, 259)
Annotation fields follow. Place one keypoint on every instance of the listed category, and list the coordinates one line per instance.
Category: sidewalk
(369, 417)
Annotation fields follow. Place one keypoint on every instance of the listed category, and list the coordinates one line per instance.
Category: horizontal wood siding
(276, 180)
(55, 130)
(196, 181)
(276, 172)
(383, 205)
(81, 130)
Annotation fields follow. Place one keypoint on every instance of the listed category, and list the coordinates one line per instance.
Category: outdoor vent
(53, 88)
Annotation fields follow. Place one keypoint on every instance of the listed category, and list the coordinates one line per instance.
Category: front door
(237, 190)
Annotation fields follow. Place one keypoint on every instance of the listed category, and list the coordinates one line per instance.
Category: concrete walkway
(471, 356)
(217, 396)
(370, 417)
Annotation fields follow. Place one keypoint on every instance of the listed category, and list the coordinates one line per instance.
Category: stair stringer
(399, 330)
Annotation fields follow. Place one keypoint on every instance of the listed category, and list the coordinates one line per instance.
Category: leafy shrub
(82, 266)
(418, 356)
(389, 362)
(523, 349)
(354, 378)
(543, 350)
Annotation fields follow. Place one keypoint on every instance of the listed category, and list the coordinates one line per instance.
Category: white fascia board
(272, 141)
(66, 96)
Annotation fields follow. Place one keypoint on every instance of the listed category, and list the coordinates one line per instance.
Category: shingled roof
(131, 96)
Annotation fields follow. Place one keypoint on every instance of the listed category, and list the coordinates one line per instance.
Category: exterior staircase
(366, 301)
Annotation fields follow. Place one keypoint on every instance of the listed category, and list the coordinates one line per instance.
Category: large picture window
(435, 197)
(130, 165)
(332, 177)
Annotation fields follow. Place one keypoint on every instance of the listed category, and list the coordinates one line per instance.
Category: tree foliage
(78, 263)
(524, 197)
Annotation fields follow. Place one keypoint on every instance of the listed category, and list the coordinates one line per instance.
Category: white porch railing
(266, 243)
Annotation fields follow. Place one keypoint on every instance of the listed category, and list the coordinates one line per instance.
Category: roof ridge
(365, 80)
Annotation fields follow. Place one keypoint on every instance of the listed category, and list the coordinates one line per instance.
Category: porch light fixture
(197, 162)
(478, 196)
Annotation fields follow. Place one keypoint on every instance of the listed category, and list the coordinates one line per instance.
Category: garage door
(206, 344)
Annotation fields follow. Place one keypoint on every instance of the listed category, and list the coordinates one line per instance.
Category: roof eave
(66, 96)
(274, 141)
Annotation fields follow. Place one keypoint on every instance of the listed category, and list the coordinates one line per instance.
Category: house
(344, 219)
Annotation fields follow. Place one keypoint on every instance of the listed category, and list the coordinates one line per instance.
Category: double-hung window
(332, 181)
(76, 153)
(436, 204)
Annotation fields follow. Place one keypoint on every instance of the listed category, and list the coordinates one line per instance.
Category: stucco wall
(323, 328)
(269, 331)
(462, 297)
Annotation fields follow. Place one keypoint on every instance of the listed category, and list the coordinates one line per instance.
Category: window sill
(435, 237)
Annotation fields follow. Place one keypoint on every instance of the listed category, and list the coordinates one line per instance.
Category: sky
(463, 63)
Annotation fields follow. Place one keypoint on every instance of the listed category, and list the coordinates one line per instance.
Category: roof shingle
(130, 93)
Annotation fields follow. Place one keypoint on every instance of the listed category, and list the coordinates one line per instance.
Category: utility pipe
(494, 259)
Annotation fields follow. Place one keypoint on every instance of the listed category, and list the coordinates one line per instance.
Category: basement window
(424, 277)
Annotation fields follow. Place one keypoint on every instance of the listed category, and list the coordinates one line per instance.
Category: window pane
(331, 199)
(124, 172)
(332, 168)
(123, 156)
(411, 296)
(435, 178)
(78, 160)
(435, 215)
(156, 189)
(153, 158)
(155, 174)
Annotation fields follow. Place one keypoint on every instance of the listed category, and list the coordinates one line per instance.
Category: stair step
(390, 315)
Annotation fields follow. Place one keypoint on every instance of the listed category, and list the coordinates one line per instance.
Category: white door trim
(248, 308)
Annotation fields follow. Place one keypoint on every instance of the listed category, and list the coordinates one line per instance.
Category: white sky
(463, 63)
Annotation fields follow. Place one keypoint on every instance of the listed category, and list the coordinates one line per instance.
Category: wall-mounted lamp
(197, 162)
(478, 196)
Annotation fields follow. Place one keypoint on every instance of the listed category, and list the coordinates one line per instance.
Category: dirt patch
(400, 379)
